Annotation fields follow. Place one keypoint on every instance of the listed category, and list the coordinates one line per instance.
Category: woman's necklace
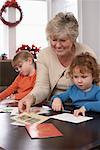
(67, 59)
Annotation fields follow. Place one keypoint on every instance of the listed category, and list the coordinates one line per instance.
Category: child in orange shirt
(23, 62)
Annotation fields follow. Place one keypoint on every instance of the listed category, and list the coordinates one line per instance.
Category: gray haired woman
(54, 61)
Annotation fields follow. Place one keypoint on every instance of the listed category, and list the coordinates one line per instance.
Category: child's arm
(9, 90)
(93, 105)
(63, 96)
(12, 96)
(57, 104)
(57, 100)
(90, 106)
(21, 95)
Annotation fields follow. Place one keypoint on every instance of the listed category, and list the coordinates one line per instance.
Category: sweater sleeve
(10, 90)
(42, 86)
(25, 86)
(63, 96)
(95, 105)
(19, 96)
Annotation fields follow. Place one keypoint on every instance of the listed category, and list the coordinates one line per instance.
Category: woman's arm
(42, 87)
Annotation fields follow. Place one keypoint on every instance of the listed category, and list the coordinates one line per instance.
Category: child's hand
(79, 111)
(12, 96)
(57, 105)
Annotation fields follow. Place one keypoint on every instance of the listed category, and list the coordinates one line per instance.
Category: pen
(67, 111)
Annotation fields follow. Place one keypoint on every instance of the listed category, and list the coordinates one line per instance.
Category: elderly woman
(54, 61)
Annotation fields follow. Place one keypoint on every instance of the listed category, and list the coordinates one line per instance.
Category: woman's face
(62, 46)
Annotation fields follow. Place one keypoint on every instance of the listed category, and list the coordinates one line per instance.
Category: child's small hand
(12, 96)
(79, 111)
(57, 104)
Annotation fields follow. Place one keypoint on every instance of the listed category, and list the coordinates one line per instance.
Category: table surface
(82, 136)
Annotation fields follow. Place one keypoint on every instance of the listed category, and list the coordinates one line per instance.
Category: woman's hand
(57, 105)
(80, 111)
(25, 103)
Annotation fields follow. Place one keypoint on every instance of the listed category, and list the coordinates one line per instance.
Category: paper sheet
(7, 100)
(71, 118)
(12, 110)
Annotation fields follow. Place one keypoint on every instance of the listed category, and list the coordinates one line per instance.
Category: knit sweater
(89, 99)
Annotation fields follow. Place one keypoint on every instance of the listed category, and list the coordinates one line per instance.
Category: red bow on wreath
(9, 4)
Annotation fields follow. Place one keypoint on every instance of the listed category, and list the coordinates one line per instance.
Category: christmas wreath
(9, 4)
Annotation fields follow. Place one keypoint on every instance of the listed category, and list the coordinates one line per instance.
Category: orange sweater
(22, 85)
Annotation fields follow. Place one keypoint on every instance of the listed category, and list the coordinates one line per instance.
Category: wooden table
(81, 136)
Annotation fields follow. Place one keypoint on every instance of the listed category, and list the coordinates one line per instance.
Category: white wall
(64, 5)
(58, 5)
(91, 23)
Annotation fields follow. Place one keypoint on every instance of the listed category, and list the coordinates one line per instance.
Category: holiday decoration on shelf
(10, 4)
(33, 50)
(3, 56)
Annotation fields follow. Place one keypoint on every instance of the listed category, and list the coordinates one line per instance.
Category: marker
(67, 111)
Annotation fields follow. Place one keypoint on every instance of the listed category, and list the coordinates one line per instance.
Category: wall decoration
(10, 4)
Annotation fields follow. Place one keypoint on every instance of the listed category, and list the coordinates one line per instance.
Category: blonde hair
(86, 63)
(63, 24)
(21, 56)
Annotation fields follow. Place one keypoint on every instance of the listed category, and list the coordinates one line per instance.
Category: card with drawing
(29, 118)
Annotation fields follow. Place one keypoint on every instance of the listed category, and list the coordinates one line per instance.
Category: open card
(29, 118)
(43, 130)
(71, 118)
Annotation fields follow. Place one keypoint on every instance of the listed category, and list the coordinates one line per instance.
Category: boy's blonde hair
(86, 63)
(21, 56)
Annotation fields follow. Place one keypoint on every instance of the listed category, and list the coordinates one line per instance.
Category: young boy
(23, 62)
(85, 94)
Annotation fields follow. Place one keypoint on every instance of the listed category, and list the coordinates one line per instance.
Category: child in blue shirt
(84, 93)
